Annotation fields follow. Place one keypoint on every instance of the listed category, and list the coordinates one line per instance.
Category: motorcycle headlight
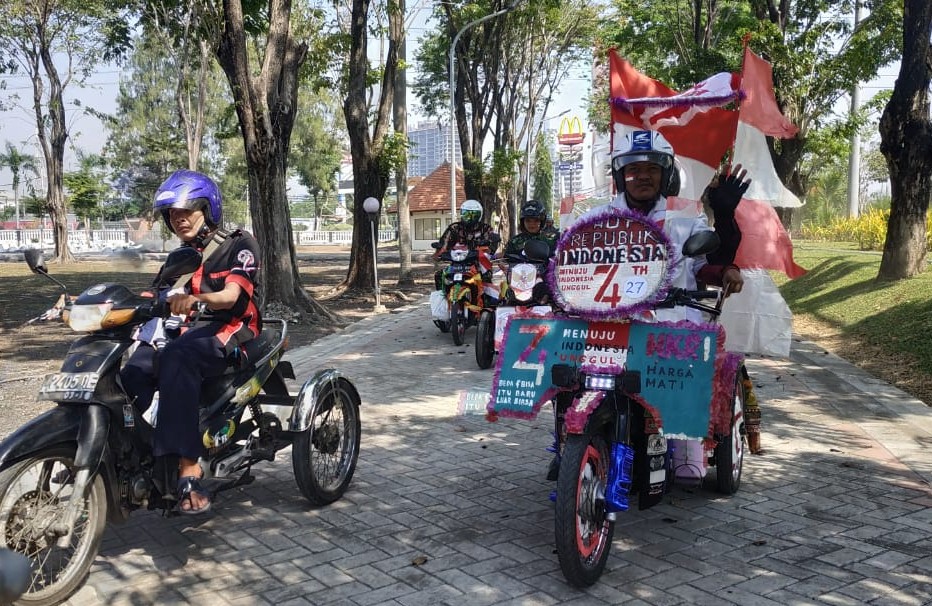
(88, 318)
(600, 382)
(523, 278)
(459, 255)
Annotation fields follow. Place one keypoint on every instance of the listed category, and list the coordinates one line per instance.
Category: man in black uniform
(227, 284)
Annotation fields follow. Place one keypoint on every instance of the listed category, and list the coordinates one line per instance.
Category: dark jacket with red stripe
(235, 260)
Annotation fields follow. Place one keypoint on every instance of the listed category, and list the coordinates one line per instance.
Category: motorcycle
(89, 460)
(464, 290)
(522, 291)
(638, 402)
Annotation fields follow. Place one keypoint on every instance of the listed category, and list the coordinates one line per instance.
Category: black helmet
(532, 209)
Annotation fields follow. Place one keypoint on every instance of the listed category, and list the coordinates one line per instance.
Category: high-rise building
(430, 147)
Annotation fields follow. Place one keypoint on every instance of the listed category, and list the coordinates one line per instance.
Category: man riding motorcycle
(226, 283)
(469, 230)
(532, 226)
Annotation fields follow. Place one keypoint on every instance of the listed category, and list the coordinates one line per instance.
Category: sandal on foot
(187, 486)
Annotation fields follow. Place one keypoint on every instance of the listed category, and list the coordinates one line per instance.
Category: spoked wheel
(324, 455)
(35, 495)
(443, 325)
(485, 339)
(583, 534)
(729, 453)
(458, 322)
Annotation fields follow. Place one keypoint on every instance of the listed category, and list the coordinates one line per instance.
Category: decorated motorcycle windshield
(611, 265)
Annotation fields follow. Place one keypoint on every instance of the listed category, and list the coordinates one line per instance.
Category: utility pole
(854, 158)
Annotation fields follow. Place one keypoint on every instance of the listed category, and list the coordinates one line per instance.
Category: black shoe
(553, 471)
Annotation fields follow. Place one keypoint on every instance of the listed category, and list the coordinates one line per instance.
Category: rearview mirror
(701, 243)
(180, 261)
(35, 260)
(536, 250)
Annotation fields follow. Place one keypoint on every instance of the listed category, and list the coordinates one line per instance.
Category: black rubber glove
(724, 198)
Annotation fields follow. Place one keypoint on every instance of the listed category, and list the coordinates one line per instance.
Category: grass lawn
(890, 319)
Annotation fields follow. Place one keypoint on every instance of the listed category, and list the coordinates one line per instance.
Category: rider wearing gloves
(469, 230)
(645, 173)
(532, 226)
(227, 284)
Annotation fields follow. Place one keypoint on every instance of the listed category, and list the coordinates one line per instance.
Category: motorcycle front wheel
(35, 495)
(729, 452)
(582, 531)
(458, 322)
(324, 455)
(485, 339)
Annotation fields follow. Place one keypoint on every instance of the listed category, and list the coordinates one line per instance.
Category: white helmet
(471, 212)
(646, 146)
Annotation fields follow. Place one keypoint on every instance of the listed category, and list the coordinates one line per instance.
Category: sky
(101, 89)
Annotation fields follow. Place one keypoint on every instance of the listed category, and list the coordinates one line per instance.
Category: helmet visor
(661, 160)
(471, 216)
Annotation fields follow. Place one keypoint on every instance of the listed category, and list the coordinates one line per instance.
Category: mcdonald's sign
(570, 132)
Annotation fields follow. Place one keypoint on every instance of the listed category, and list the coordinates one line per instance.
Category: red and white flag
(701, 134)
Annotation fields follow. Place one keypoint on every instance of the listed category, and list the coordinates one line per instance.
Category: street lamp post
(456, 40)
(371, 206)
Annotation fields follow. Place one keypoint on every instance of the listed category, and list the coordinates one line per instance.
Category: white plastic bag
(439, 308)
(757, 320)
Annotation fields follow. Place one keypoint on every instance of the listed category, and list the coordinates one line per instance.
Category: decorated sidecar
(643, 389)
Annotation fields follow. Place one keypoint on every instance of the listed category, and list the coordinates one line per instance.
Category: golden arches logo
(570, 131)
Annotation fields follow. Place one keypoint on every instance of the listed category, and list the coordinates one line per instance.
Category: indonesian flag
(701, 133)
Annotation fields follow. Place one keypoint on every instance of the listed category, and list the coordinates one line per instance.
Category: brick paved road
(837, 511)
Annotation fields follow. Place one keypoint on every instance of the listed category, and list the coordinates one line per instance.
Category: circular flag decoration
(611, 265)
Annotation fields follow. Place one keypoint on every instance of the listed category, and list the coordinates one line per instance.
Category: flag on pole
(701, 133)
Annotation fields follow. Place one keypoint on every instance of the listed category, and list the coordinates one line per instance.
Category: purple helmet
(193, 191)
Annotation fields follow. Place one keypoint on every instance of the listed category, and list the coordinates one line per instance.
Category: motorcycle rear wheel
(33, 494)
(582, 532)
(458, 322)
(324, 455)
(730, 450)
(485, 339)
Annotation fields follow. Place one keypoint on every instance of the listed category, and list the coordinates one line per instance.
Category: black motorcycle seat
(252, 351)
(241, 367)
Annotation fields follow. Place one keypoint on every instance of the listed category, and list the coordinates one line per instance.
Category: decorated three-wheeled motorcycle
(638, 401)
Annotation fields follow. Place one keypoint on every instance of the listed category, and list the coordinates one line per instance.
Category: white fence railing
(12, 240)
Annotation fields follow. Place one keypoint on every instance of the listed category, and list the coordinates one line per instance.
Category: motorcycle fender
(54, 427)
(86, 427)
(308, 397)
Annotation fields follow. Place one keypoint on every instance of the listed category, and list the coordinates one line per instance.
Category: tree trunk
(369, 178)
(400, 121)
(906, 143)
(54, 150)
(265, 107)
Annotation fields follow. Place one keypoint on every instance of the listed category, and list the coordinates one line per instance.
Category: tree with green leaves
(58, 43)
(144, 140)
(316, 149)
(817, 53)
(18, 163)
(906, 143)
(507, 71)
(543, 174)
(85, 186)
(368, 129)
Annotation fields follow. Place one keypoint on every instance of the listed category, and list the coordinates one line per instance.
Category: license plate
(457, 277)
(78, 386)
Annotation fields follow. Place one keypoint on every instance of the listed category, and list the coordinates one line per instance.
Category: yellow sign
(570, 132)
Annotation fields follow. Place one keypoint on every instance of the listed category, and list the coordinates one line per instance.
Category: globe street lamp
(371, 206)
(456, 39)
